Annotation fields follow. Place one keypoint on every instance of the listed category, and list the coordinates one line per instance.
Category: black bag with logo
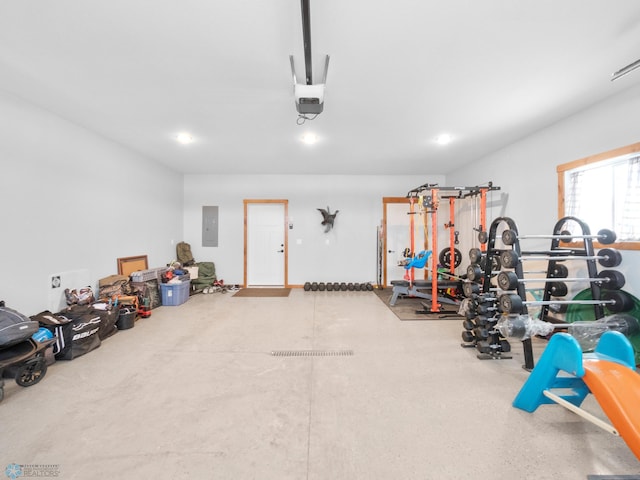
(77, 330)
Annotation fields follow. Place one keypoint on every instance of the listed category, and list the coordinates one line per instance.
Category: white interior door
(265, 244)
(399, 237)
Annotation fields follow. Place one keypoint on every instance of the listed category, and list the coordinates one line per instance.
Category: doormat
(263, 292)
(416, 309)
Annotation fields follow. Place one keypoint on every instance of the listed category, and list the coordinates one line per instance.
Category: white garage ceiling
(486, 71)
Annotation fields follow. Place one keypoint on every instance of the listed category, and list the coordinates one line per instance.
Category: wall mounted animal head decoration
(327, 218)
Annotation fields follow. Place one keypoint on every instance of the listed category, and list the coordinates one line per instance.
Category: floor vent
(312, 353)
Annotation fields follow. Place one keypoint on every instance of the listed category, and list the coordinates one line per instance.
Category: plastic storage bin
(174, 293)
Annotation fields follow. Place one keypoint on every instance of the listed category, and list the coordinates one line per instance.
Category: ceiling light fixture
(623, 71)
(184, 138)
(444, 139)
(309, 138)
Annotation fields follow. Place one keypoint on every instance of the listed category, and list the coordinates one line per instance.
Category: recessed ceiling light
(309, 138)
(444, 139)
(184, 138)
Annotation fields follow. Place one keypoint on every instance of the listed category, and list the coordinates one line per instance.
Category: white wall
(526, 170)
(345, 254)
(71, 201)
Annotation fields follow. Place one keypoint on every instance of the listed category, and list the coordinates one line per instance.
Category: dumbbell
(329, 287)
(468, 336)
(343, 286)
(607, 257)
(356, 287)
(616, 301)
(604, 236)
(307, 286)
(350, 286)
(610, 279)
(314, 286)
(322, 287)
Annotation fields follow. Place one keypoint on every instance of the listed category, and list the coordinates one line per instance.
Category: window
(604, 192)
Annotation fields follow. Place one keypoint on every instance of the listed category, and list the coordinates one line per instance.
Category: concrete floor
(193, 393)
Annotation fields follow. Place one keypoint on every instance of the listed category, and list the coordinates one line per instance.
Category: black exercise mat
(412, 308)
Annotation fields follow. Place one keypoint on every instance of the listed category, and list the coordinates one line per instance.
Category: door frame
(386, 201)
(285, 223)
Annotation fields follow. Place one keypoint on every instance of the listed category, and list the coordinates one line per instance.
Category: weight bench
(404, 287)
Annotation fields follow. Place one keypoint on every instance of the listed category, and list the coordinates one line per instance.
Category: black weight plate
(510, 303)
(610, 257)
(619, 301)
(474, 272)
(509, 259)
(445, 258)
(468, 289)
(507, 280)
(509, 237)
(475, 254)
(560, 271)
(565, 236)
(606, 236)
(483, 237)
(614, 280)
(559, 289)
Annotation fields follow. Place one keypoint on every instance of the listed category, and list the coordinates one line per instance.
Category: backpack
(183, 254)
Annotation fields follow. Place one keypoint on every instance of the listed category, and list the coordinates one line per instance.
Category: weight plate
(474, 272)
(468, 289)
(475, 254)
(558, 289)
(614, 280)
(610, 257)
(606, 236)
(509, 237)
(509, 259)
(445, 258)
(507, 280)
(510, 303)
(565, 236)
(621, 301)
(483, 237)
(560, 271)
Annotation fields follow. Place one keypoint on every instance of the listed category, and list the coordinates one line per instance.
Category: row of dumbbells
(337, 286)
(482, 311)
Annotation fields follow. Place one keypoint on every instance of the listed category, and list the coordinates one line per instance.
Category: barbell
(611, 279)
(616, 300)
(604, 236)
(607, 257)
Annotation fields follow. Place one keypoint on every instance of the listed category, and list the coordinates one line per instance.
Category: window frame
(599, 157)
